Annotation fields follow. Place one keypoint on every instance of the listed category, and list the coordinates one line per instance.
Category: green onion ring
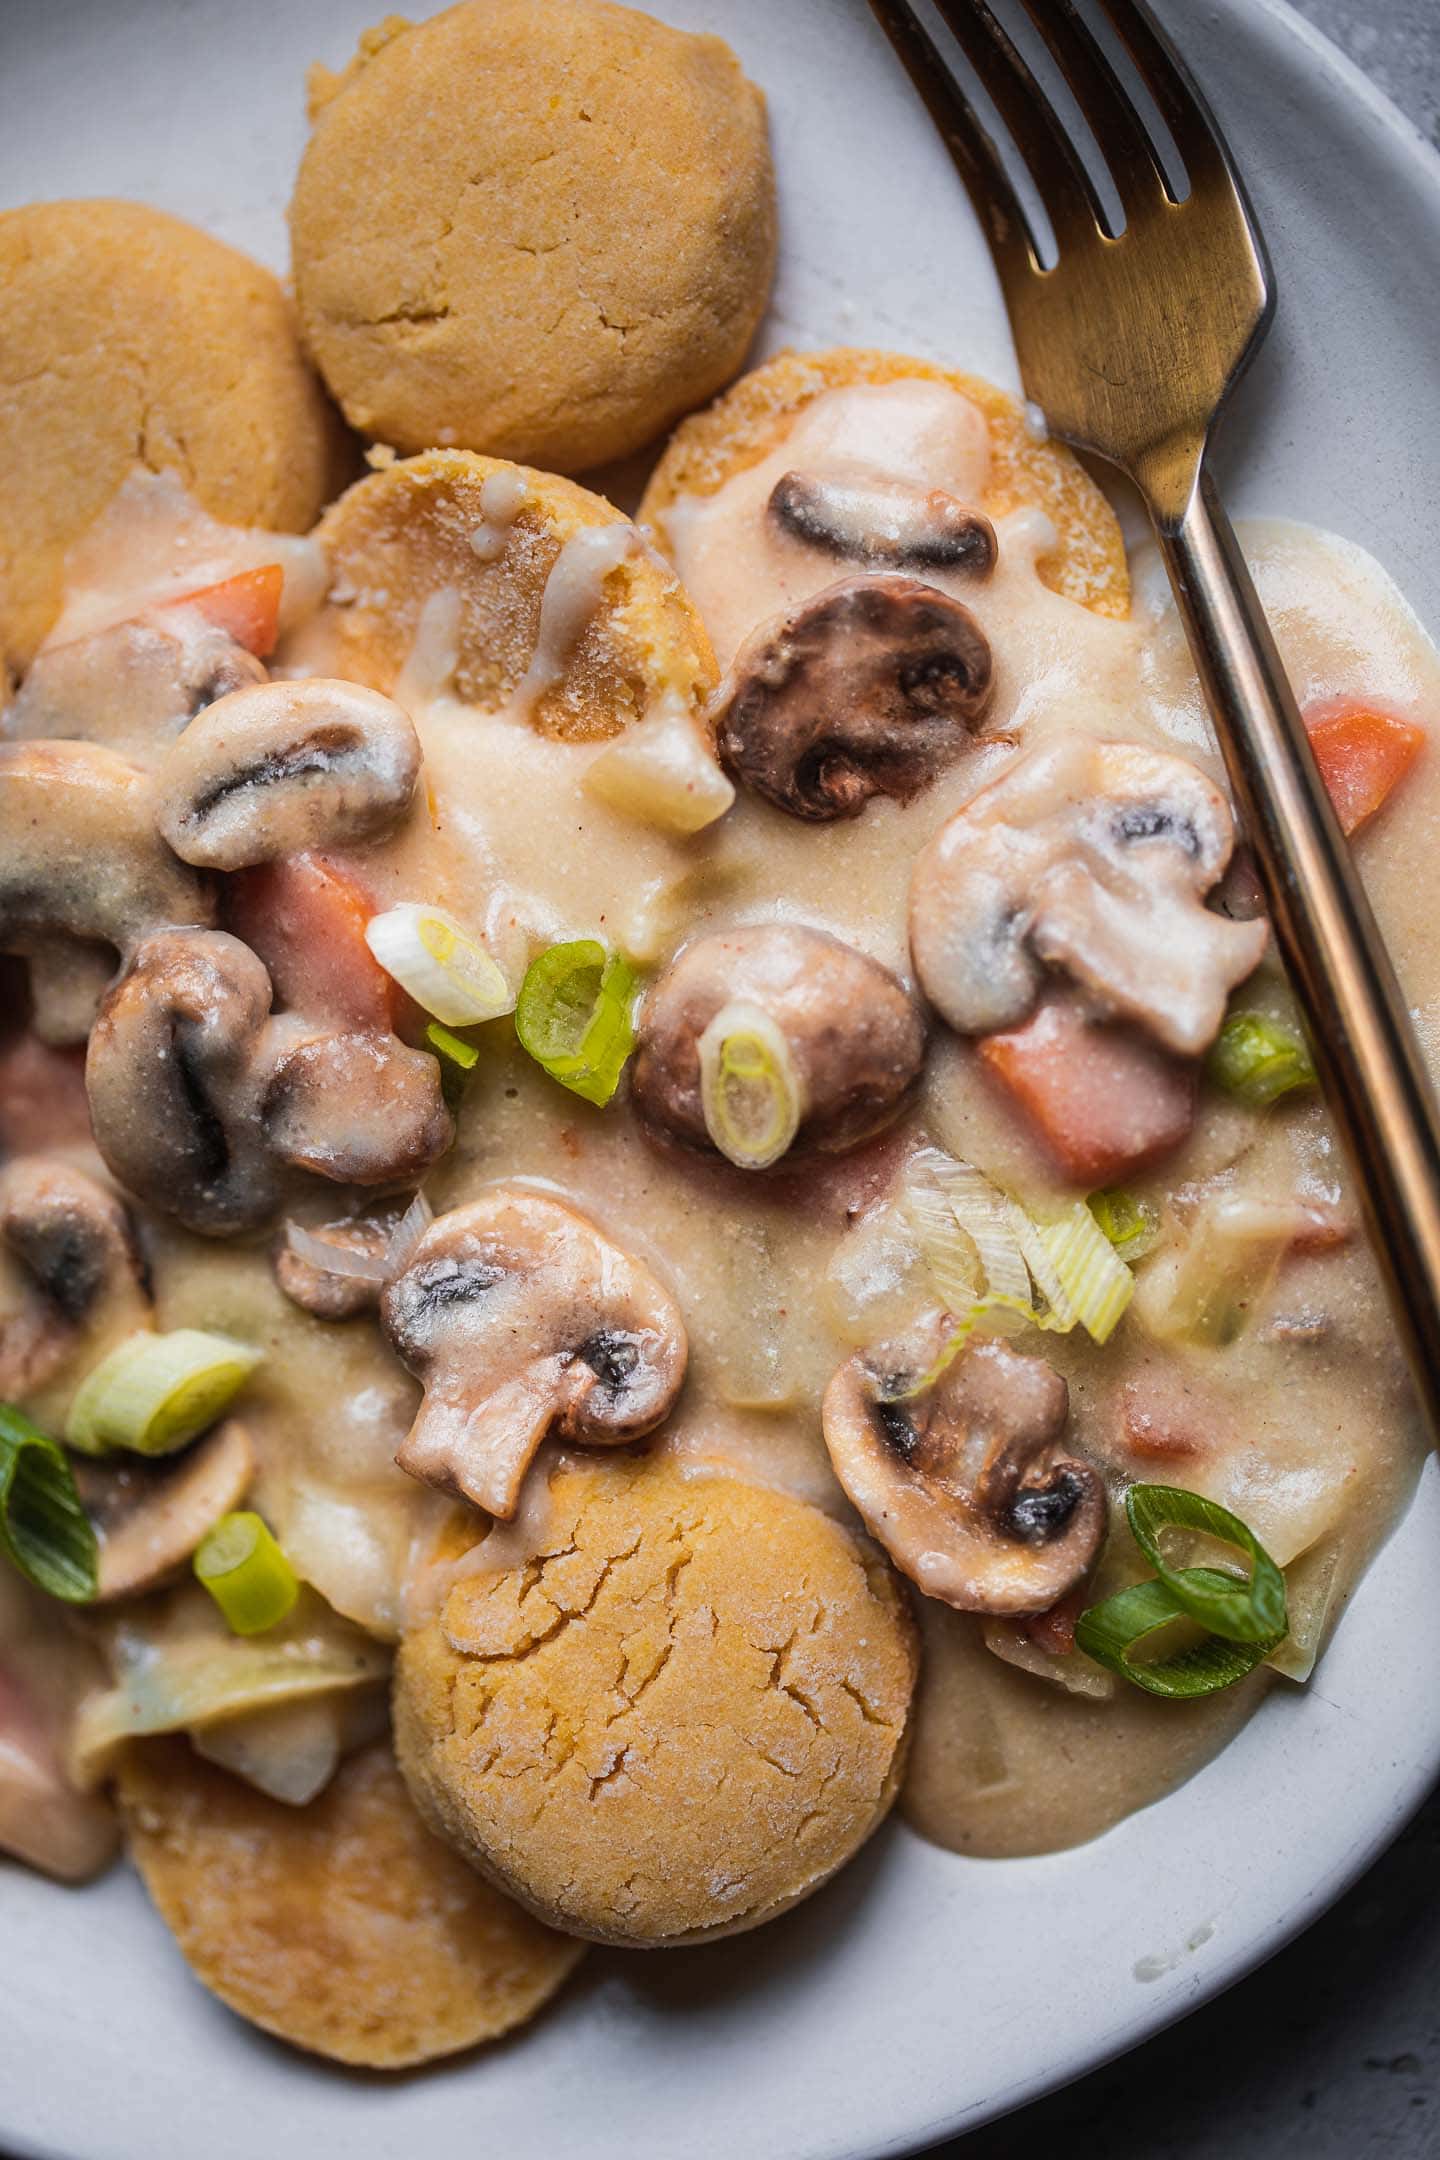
(575, 1017)
(1243, 1611)
(43, 1528)
(1110, 1632)
(247, 1574)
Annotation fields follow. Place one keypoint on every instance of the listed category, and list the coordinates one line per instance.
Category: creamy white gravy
(1310, 1440)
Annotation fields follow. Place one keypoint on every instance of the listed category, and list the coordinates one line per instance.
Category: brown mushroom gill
(871, 688)
(883, 522)
(964, 1483)
(521, 1318)
(854, 1033)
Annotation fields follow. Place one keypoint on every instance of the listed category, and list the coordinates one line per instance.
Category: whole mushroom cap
(870, 688)
(854, 1033)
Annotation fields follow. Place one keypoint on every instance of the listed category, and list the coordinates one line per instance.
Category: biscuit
(343, 1927)
(129, 337)
(539, 231)
(682, 1717)
(1088, 564)
(409, 532)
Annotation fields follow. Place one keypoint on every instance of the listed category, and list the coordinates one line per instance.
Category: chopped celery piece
(1259, 1060)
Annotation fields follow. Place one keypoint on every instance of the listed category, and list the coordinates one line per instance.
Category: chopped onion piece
(440, 963)
(244, 1570)
(662, 772)
(749, 1088)
(406, 1236)
(153, 1393)
(334, 1258)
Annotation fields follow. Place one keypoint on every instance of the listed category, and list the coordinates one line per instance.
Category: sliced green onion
(44, 1530)
(1243, 1610)
(1114, 1631)
(1259, 1059)
(246, 1573)
(983, 1213)
(451, 1049)
(948, 1253)
(1131, 1225)
(442, 965)
(154, 1392)
(750, 1090)
(1075, 1265)
(574, 1016)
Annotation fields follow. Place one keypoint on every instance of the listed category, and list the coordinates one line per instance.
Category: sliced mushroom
(80, 859)
(81, 853)
(883, 521)
(282, 766)
(1093, 858)
(150, 1516)
(199, 1100)
(132, 686)
(871, 688)
(358, 1109)
(963, 1484)
(337, 1269)
(82, 1281)
(853, 1031)
(68, 980)
(521, 1318)
(174, 1086)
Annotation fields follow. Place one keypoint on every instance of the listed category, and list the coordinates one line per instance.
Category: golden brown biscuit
(409, 532)
(540, 231)
(344, 1926)
(748, 422)
(128, 337)
(680, 1719)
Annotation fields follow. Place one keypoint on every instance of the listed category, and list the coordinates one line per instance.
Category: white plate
(922, 1993)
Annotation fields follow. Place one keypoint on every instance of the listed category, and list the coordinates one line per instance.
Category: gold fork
(1129, 341)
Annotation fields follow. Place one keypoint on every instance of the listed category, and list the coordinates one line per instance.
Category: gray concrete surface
(1332, 2050)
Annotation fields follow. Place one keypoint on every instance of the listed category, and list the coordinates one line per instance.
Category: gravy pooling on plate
(933, 745)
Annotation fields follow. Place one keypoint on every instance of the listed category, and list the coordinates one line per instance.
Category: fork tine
(1183, 109)
(975, 157)
(1112, 118)
(1064, 186)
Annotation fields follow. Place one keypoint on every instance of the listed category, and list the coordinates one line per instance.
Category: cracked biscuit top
(553, 270)
(682, 1716)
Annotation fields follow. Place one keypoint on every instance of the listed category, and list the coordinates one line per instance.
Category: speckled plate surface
(921, 1993)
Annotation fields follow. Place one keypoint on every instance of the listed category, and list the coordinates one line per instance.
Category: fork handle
(1364, 1047)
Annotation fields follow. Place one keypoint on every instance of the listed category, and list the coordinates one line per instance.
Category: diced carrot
(1053, 1630)
(1102, 1099)
(1163, 1420)
(42, 1096)
(305, 916)
(1364, 751)
(247, 606)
